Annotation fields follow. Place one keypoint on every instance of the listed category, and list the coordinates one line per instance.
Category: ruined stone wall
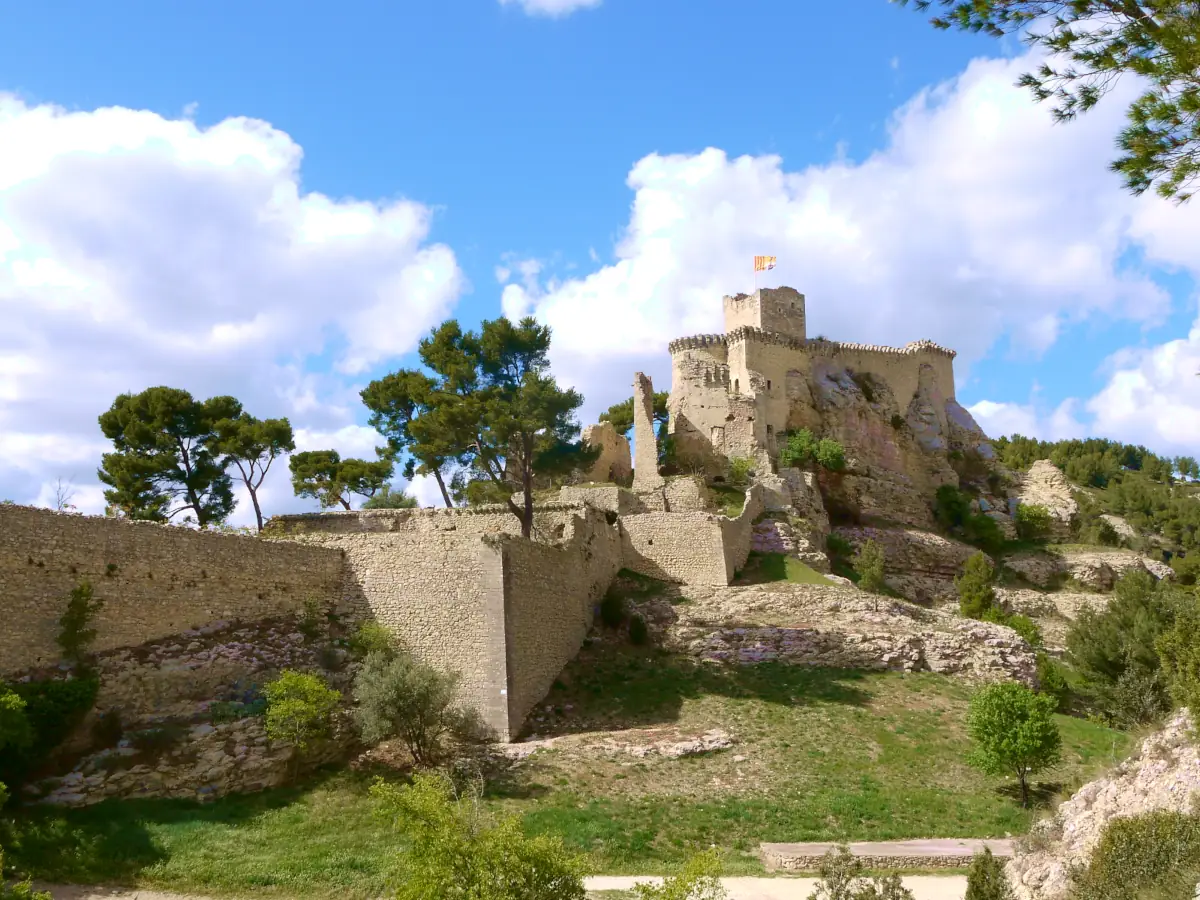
(689, 547)
(155, 580)
(699, 400)
(645, 442)
(551, 594)
(549, 521)
(900, 368)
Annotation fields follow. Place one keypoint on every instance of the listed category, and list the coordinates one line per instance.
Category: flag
(764, 263)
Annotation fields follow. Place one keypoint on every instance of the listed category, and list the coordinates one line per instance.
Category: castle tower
(780, 310)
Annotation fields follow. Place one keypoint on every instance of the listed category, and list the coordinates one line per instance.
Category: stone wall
(645, 444)
(690, 547)
(551, 595)
(155, 580)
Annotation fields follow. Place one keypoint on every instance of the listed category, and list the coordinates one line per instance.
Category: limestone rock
(1097, 569)
(1120, 526)
(919, 565)
(1045, 485)
(1163, 775)
(615, 463)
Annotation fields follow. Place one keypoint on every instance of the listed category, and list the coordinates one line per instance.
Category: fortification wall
(551, 595)
(899, 368)
(549, 521)
(699, 399)
(155, 580)
(689, 547)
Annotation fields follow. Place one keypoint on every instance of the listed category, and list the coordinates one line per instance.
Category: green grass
(828, 755)
(730, 500)
(764, 567)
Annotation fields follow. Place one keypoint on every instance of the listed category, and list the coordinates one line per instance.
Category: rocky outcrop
(919, 565)
(1095, 569)
(1163, 775)
(1045, 485)
(615, 463)
(1054, 612)
(840, 627)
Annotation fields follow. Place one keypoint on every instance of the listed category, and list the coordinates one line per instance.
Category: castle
(738, 393)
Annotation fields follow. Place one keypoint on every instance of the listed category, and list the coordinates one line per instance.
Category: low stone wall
(884, 856)
(609, 497)
(690, 547)
(155, 580)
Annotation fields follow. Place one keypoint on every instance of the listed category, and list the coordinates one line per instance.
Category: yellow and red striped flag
(764, 263)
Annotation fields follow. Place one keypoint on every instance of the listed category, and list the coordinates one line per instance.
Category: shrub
(1179, 653)
(1052, 681)
(976, 591)
(372, 637)
(838, 546)
(1115, 649)
(831, 455)
(739, 469)
(1187, 568)
(1033, 522)
(75, 634)
(952, 509)
(386, 498)
(299, 708)
(986, 879)
(310, 619)
(1154, 852)
(799, 450)
(21, 890)
(464, 854)
(639, 633)
(869, 563)
(841, 875)
(612, 609)
(15, 731)
(897, 421)
(401, 697)
(53, 709)
(1013, 731)
(983, 531)
(1022, 625)
(231, 710)
(700, 879)
(1106, 534)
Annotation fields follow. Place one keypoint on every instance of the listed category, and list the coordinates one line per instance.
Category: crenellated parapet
(832, 348)
(697, 342)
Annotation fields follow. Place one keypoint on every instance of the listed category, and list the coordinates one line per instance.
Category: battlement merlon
(816, 345)
(779, 310)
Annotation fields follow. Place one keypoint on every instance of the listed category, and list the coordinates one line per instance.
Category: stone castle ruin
(460, 587)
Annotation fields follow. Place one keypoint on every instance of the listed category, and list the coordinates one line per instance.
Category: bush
(1155, 852)
(310, 619)
(976, 591)
(372, 637)
(400, 697)
(1052, 681)
(299, 708)
(15, 731)
(831, 455)
(386, 498)
(1187, 568)
(1022, 625)
(1013, 731)
(21, 890)
(986, 879)
(75, 634)
(1033, 522)
(838, 546)
(53, 710)
(231, 710)
(1179, 653)
(952, 510)
(612, 609)
(841, 875)
(799, 450)
(1115, 650)
(464, 854)
(869, 563)
(698, 880)
(639, 633)
(739, 469)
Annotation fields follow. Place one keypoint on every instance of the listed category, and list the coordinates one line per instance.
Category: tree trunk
(257, 508)
(527, 484)
(1024, 789)
(437, 473)
(345, 503)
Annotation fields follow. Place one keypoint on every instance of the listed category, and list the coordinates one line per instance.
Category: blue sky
(522, 140)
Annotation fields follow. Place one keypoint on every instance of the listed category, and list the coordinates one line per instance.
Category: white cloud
(979, 217)
(1030, 420)
(553, 9)
(137, 250)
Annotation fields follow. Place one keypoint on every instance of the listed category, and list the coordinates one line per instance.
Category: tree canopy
(621, 414)
(251, 445)
(490, 405)
(331, 480)
(166, 458)
(1095, 42)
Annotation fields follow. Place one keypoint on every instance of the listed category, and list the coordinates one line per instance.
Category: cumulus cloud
(978, 218)
(553, 9)
(137, 250)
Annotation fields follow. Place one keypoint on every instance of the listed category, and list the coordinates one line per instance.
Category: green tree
(841, 878)
(1013, 731)
(75, 631)
(300, 709)
(252, 445)
(496, 404)
(799, 449)
(986, 879)
(1115, 652)
(699, 879)
(869, 563)
(976, 586)
(396, 401)
(464, 854)
(389, 499)
(165, 459)
(1101, 41)
(400, 697)
(1187, 467)
(1179, 652)
(15, 730)
(330, 480)
(1033, 522)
